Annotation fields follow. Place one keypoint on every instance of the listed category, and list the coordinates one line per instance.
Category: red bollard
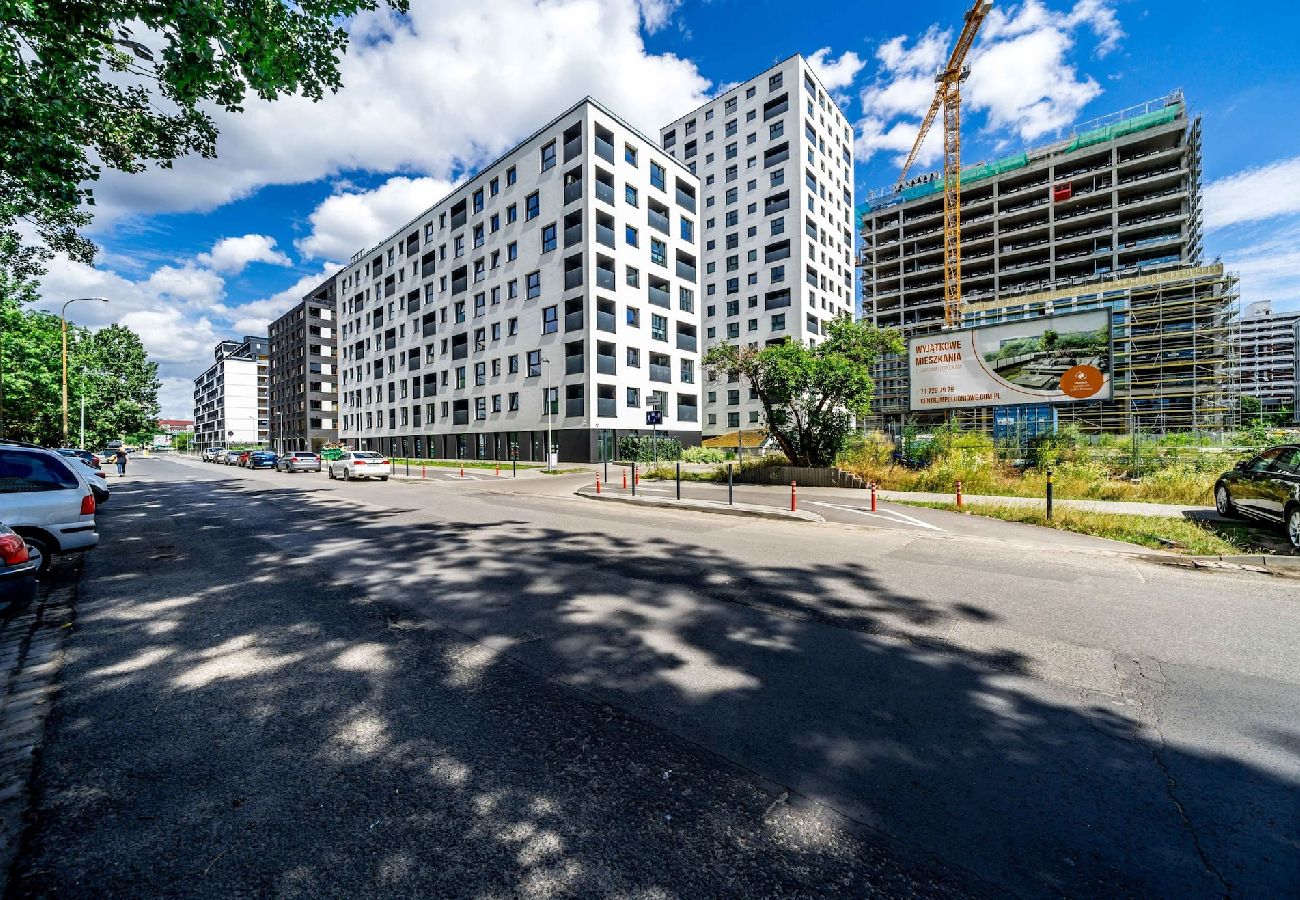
(873, 496)
(625, 479)
(636, 477)
(597, 484)
(422, 475)
(794, 495)
(959, 493)
(462, 470)
(498, 470)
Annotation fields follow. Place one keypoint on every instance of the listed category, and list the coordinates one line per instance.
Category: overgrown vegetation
(1156, 532)
(1169, 469)
(467, 463)
(648, 448)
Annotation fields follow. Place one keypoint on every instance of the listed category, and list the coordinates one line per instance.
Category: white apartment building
(558, 285)
(1266, 357)
(774, 156)
(230, 398)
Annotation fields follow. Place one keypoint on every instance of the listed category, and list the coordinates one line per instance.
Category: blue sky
(217, 248)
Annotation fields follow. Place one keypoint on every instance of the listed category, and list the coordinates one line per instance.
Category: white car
(46, 499)
(360, 464)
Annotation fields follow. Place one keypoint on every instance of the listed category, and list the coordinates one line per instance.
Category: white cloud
(838, 73)
(350, 221)
(445, 89)
(231, 255)
(655, 14)
(1270, 266)
(1253, 195)
(1021, 78)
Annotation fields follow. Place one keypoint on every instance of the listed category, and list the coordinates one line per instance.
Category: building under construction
(1107, 215)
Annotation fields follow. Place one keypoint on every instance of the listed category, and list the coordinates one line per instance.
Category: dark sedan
(261, 459)
(1265, 487)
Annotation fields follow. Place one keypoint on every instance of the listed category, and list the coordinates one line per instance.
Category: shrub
(644, 448)
(703, 455)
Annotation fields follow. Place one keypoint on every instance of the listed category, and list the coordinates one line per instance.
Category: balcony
(605, 192)
(605, 279)
(605, 236)
(606, 409)
(604, 149)
(572, 192)
(606, 365)
(572, 278)
(658, 221)
(685, 200)
(573, 320)
(573, 235)
(686, 271)
(686, 342)
(687, 413)
(660, 297)
(574, 407)
(661, 374)
(573, 365)
(606, 322)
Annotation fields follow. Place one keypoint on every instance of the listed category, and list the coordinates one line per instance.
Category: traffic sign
(654, 417)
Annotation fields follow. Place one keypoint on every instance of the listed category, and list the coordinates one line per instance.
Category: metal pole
(679, 481)
(634, 479)
(65, 373)
(1049, 495)
(729, 492)
(82, 445)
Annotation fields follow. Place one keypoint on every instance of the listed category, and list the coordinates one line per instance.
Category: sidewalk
(1119, 507)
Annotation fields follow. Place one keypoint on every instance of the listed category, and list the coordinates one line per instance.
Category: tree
(811, 394)
(125, 83)
(30, 374)
(181, 442)
(120, 384)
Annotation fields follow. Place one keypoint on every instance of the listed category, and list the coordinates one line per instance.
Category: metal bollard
(597, 485)
(873, 496)
(1049, 495)
(635, 479)
(959, 493)
(794, 496)
(679, 481)
(729, 485)
(408, 468)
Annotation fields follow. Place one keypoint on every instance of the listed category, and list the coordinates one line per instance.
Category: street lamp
(549, 391)
(64, 317)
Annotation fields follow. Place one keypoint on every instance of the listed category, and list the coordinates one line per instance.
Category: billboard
(1047, 359)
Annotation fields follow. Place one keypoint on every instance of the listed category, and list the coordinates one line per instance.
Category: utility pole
(63, 315)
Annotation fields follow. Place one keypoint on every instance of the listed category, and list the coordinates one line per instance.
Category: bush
(703, 455)
(645, 448)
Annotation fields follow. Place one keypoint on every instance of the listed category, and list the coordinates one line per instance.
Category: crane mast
(947, 97)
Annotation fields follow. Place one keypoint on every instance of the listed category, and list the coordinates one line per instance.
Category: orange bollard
(422, 473)
(625, 479)
(959, 493)
(462, 470)
(597, 484)
(873, 496)
(794, 496)
(636, 477)
(498, 470)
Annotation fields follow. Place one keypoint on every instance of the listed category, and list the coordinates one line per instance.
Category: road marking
(888, 515)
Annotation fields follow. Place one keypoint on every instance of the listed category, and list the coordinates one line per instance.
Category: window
(533, 285)
(512, 325)
(633, 396)
(548, 156)
(494, 186)
(480, 374)
(658, 252)
(658, 327)
(511, 176)
(656, 175)
(496, 403)
(514, 401)
(632, 237)
(532, 206)
(512, 214)
(633, 317)
(512, 364)
(629, 194)
(774, 82)
(548, 238)
(778, 322)
(633, 358)
(478, 235)
(629, 153)
(480, 407)
(495, 223)
(478, 200)
(688, 229)
(534, 363)
(550, 320)
(686, 299)
(512, 252)
(633, 277)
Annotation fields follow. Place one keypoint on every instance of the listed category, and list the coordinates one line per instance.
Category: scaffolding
(1175, 350)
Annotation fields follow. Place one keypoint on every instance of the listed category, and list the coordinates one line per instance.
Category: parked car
(214, 454)
(260, 459)
(1265, 487)
(45, 498)
(232, 457)
(97, 479)
(298, 461)
(17, 569)
(360, 464)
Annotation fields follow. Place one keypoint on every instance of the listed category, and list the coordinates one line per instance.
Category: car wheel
(1223, 501)
(383, 477)
(38, 550)
(347, 474)
(1293, 526)
(330, 473)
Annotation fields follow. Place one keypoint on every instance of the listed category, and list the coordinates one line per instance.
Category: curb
(1280, 566)
(709, 506)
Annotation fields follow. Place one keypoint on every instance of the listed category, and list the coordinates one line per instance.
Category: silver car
(298, 461)
(360, 464)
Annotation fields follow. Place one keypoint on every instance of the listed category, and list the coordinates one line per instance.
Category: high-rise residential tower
(774, 156)
(555, 290)
(1266, 364)
(230, 398)
(303, 373)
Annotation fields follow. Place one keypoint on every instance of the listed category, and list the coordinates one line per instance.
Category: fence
(803, 475)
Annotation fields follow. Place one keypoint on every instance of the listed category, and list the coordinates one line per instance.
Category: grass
(1157, 532)
(468, 463)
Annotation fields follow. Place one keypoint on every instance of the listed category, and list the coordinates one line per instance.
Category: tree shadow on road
(275, 693)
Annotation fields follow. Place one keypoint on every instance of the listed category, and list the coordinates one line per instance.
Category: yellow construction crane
(948, 95)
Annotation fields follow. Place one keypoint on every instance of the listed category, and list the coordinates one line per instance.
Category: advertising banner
(1048, 359)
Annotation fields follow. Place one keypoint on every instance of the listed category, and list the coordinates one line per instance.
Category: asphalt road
(281, 684)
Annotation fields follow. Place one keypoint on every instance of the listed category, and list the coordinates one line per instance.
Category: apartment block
(1266, 362)
(556, 288)
(774, 156)
(303, 373)
(230, 398)
(1118, 198)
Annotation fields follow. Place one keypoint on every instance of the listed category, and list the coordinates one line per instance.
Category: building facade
(303, 373)
(1119, 199)
(1266, 367)
(230, 398)
(774, 156)
(557, 288)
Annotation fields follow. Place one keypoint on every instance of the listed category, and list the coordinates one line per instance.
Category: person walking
(120, 459)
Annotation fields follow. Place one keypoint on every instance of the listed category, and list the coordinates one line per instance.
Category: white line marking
(888, 515)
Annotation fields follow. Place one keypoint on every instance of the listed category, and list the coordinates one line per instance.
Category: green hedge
(645, 448)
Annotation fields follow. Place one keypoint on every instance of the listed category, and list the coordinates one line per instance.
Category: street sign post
(654, 418)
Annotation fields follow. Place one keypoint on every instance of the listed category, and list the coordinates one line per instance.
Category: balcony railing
(606, 409)
(605, 235)
(660, 297)
(460, 417)
(685, 200)
(662, 374)
(605, 279)
(572, 278)
(606, 322)
(573, 365)
(687, 413)
(658, 221)
(604, 149)
(605, 192)
(606, 365)
(572, 192)
(686, 342)
(572, 148)
(573, 235)
(573, 321)
(686, 271)
(574, 407)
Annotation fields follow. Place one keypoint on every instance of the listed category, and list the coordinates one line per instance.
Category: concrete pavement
(954, 712)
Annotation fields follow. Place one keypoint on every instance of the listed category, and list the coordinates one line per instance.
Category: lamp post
(64, 317)
(549, 391)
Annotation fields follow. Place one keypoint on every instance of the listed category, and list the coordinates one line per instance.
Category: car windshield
(365, 455)
(305, 455)
(22, 472)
